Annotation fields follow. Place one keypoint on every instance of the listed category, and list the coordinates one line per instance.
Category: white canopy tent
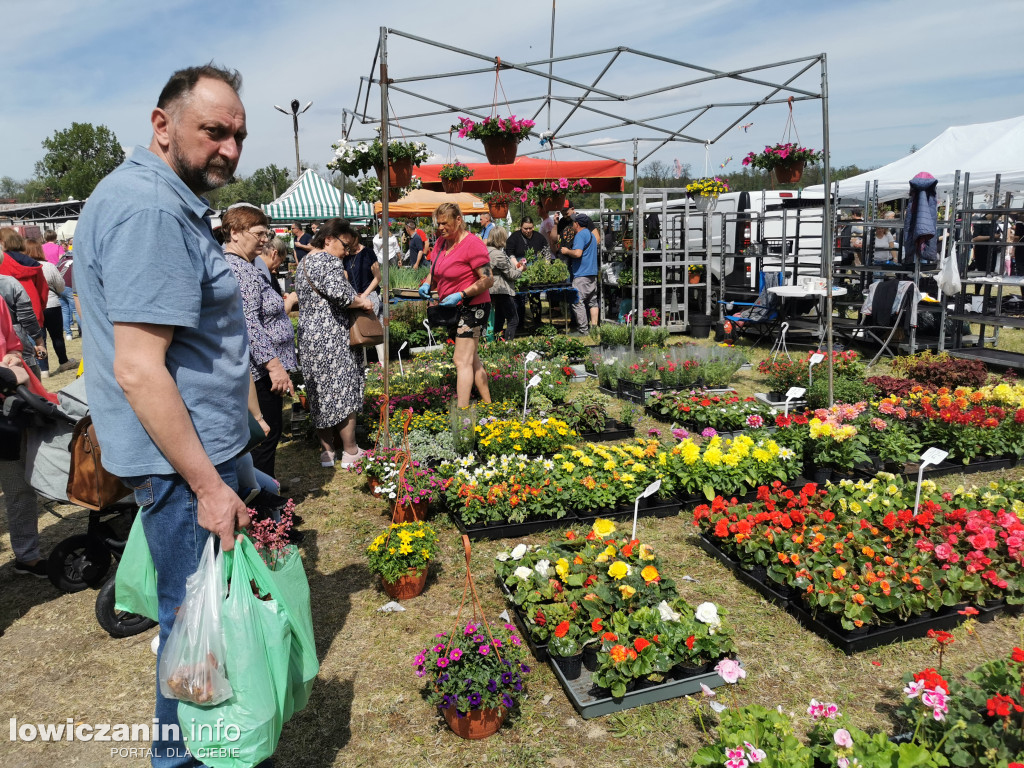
(984, 150)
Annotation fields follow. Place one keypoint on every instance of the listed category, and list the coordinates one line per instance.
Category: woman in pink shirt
(461, 274)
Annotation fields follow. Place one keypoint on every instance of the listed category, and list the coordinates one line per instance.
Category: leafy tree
(77, 158)
(263, 186)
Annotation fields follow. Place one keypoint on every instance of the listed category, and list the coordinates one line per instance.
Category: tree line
(77, 158)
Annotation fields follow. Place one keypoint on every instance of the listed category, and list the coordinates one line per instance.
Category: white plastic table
(799, 292)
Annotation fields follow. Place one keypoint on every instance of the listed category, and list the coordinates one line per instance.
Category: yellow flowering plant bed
(510, 436)
(727, 467)
(602, 476)
(401, 548)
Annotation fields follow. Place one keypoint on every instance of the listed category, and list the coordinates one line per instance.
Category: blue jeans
(67, 308)
(170, 519)
(251, 479)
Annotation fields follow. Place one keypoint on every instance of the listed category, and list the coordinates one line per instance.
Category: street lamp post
(295, 126)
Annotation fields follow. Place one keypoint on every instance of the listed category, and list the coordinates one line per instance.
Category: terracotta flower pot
(552, 203)
(407, 586)
(694, 278)
(500, 150)
(373, 484)
(452, 186)
(409, 513)
(498, 210)
(476, 724)
(789, 173)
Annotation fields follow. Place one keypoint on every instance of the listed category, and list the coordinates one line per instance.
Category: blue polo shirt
(586, 265)
(145, 253)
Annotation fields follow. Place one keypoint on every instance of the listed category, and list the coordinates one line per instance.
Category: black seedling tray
(509, 530)
(613, 430)
(591, 701)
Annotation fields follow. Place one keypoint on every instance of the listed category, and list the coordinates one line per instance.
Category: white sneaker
(69, 337)
(44, 374)
(155, 645)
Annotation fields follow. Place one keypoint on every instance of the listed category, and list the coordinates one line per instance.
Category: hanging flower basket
(785, 160)
(452, 175)
(500, 150)
(789, 173)
(406, 587)
(497, 203)
(553, 203)
(499, 135)
(550, 195)
(452, 186)
(478, 724)
(705, 202)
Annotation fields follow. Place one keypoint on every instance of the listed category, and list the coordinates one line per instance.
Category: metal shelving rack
(991, 313)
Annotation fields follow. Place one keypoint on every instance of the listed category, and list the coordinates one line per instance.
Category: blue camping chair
(761, 317)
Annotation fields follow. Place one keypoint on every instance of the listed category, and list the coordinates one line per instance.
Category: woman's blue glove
(455, 298)
(425, 290)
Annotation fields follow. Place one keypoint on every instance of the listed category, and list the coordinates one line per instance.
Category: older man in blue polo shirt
(583, 271)
(165, 337)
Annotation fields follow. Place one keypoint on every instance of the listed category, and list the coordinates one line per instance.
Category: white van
(777, 223)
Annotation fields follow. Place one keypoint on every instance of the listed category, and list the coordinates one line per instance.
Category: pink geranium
(730, 671)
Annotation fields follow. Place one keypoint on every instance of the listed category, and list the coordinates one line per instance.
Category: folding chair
(761, 316)
(879, 320)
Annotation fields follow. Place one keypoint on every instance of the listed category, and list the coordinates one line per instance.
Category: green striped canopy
(312, 197)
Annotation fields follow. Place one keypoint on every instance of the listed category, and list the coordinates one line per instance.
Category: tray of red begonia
(616, 632)
(855, 563)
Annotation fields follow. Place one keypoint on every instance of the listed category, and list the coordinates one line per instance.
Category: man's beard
(201, 180)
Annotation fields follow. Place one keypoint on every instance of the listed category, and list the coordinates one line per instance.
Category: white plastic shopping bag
(192, 664)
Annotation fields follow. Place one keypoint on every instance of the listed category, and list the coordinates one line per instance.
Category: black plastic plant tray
(608, 391)
(613, 430)
(875, 637)
(657, 508)
(957, 467)
(510, 530)
(591, 701)
(767, 590)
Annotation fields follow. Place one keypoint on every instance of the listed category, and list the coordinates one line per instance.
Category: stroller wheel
(118, 623)
(78, 562)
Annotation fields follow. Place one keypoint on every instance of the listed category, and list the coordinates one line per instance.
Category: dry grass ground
(366, 708)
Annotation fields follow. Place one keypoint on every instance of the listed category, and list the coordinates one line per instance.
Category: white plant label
(648, 491)
(531, 356)
(816, 358)
(535, 380)
(934, 456)
(404, 345)
(793, 394)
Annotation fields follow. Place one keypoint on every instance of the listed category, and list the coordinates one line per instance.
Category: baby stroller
(83, 560)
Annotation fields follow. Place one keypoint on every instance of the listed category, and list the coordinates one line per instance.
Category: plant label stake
(816, 358)
(430, 335)
(650, 490)
(526, 393)
(401, 368)
(780, 343)
(793, 394)
(929, 457)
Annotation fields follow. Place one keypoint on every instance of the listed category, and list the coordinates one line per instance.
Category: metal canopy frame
(595, 100)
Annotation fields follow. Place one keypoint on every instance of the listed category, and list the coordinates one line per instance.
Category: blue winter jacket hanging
(919, 239)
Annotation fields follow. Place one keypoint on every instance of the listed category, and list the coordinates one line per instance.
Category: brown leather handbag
(365, 329)
(89, 484)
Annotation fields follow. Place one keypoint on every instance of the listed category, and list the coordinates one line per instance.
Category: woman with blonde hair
(462, 275)
(503, 292)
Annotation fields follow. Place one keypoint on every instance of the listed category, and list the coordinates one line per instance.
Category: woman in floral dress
(334, 378)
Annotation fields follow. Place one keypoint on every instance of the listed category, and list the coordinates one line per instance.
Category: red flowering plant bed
(610, 593)
(970, 424)
(858, 553)
(697, 411)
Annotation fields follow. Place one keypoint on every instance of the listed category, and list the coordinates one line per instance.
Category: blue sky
(899, 72)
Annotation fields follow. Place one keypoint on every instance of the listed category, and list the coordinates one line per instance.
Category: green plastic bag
(244, 730)
(135, 581)
(288, 583)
